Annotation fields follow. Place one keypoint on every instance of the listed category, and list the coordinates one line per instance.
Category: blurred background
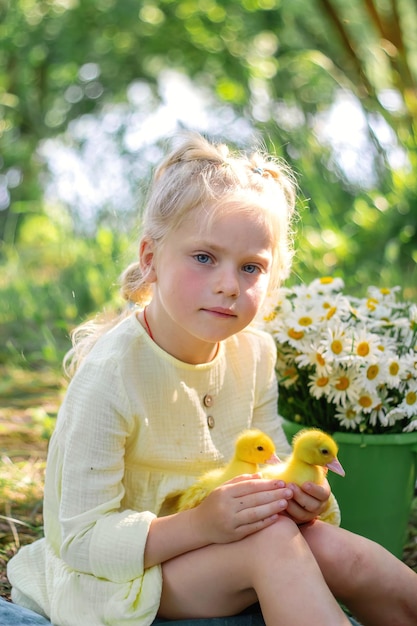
(90, 91)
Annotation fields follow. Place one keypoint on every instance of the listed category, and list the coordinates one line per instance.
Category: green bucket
(376, 494)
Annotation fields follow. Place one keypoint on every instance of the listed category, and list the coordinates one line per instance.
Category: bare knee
(277, 537)
(344, 558)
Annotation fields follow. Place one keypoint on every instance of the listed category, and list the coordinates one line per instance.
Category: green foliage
(280, 65)
(51, 282)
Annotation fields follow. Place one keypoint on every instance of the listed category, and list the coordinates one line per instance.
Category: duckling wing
(199, 490)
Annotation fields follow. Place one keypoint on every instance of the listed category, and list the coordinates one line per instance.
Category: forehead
(232, 217)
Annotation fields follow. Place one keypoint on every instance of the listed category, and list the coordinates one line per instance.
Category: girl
(158, 398)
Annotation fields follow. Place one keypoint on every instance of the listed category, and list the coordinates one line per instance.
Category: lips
(221, 312)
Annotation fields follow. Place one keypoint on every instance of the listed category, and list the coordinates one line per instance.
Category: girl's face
(208, 285)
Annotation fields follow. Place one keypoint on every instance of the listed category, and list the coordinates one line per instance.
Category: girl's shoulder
(118, 342)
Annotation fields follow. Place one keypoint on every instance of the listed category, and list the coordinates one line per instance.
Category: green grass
(28, 410)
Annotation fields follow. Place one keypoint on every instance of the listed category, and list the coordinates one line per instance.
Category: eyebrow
(203, 244)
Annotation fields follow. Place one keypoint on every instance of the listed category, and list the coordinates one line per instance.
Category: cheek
(185, 283)
(258, 291)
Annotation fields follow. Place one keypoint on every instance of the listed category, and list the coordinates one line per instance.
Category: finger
(308, 503)
(244, 485)
(298, 513)
(254, 500)
(253, 515)
(320, 492)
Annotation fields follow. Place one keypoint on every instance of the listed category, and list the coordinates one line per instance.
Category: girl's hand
(240, 507)
(308, 501)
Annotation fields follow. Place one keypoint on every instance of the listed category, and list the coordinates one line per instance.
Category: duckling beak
(336, 467)
(273, 460)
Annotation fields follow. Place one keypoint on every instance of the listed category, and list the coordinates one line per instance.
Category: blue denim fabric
(13, 615)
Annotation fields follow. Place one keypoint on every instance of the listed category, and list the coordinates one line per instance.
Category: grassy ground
(29, 406)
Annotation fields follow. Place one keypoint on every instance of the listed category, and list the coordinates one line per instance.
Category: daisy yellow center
(372, 372)
(336, 346)
(320, 359)
(332, 310)
(270, 317)
(394, 369)
(290, 372)
(371, 303)
(411, 398)
(363, 348)
(350, 414)
(322, 381)
(365, 402)
(305, 321)
(295, 334)
(342, 383)
(385, 291)
(326, 280)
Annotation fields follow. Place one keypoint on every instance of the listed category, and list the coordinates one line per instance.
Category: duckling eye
(260, 448)
(324, 451)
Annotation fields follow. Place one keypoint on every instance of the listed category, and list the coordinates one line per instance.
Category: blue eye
(251, 269)
(202, 258)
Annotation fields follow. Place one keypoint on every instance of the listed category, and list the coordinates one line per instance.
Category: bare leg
(274, 566)
(377, 587)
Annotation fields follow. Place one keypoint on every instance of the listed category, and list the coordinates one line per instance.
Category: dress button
(208, 400)
(210, 421)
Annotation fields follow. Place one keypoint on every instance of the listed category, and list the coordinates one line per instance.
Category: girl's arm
(238, 508)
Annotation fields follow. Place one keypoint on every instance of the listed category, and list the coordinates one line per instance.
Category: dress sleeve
(87, 456)
(265, 415)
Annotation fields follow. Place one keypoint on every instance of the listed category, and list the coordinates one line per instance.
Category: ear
(147, 260)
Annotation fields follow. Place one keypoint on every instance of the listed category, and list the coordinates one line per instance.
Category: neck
(193, 352)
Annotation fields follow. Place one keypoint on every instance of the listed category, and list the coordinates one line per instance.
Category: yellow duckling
(252, 447)
(314, 453)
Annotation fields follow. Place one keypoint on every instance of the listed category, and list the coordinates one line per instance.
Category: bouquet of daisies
(345, 363)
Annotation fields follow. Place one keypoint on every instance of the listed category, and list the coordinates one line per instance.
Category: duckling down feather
(252, 448)
(314, 453)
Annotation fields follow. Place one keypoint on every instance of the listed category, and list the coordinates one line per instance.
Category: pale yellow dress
(136, 427)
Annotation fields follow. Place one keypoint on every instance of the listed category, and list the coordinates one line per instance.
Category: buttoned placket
(208, 403)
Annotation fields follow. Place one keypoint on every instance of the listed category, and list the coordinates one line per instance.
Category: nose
(227, 282)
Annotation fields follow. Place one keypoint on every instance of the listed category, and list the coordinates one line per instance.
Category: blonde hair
(200, 175)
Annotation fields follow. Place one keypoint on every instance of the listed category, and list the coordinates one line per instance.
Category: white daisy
(393, 416)
(409, 403)
(335, 343)
(319, 385)
(366, 401)
(313, 357)
(411, 426)
(378, 415)
(334, 307)
(396, 370)
(344, 386)
(373, 374)
(348, 417)
(365, 346)
(326, 284)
